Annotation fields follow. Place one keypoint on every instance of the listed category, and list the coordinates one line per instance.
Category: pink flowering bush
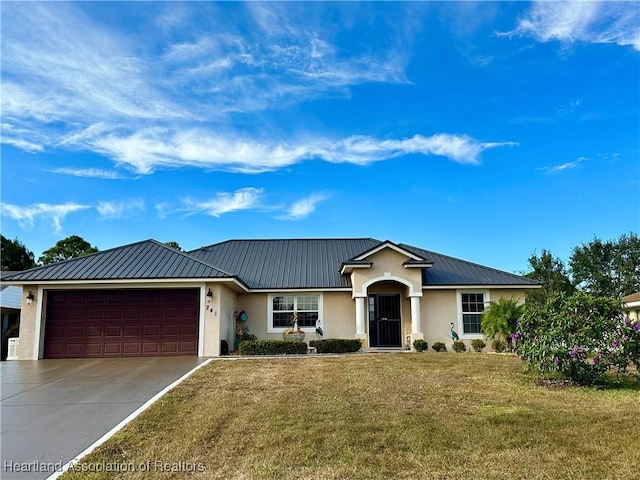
(579, 336)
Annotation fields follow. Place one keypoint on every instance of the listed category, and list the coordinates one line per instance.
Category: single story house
(150, 299)
(631, 306)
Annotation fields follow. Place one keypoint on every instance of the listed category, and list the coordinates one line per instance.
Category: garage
(121, 323)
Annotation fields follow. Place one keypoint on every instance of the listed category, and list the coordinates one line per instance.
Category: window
(472, 308)
(308, 307)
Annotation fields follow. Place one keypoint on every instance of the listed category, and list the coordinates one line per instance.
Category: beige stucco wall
(338, 315)
(438, 308)
(219, 321)
(28, 314)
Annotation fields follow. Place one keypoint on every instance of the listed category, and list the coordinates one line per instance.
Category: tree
(500, 318)
(173, 244)
(15, 256)
(70, 247)
(552, 272)
(608, 268)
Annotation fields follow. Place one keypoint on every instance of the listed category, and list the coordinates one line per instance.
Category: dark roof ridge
(281, 240)
(474, 264)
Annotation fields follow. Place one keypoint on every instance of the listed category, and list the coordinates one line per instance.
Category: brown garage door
(121, 323)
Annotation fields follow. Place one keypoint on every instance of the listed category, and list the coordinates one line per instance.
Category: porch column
(416, 326)
(359, 315)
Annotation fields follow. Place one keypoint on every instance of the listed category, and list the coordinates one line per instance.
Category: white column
(416, 327)
(360, 315)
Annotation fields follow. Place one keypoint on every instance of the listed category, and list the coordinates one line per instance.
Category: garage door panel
(93, 349)
(122, 323)
(74, 331)
(132, 330)
(151, 348)
(94, 331)
(113, 348)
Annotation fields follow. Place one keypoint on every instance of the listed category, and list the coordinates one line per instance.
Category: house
(631, 307)
(150, 299)
(10, 302)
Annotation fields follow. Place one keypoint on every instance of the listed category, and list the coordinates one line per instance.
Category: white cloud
(26, 215)
(87, 172)
(158, 148)
(583, 21)
(564, 166)
(117, 210)
(303, 208)
(242, 199)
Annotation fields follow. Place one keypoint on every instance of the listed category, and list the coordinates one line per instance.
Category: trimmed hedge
(439, 347)
(271, 347)
(420, 345)
(459, 346)
(336, 345)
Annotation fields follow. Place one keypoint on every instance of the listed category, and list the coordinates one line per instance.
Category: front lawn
(377, 416)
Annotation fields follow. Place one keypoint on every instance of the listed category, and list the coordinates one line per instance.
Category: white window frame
(460, 330)
(272, 329)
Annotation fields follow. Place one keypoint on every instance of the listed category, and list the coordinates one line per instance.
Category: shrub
(499, 345)
(439, 347)
(579, 336)
(500, 318)
(477, 345)
(271, 347)
(420, 345)
(459, 346)
(336, 345)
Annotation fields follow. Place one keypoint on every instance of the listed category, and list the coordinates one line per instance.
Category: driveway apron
(54, 409)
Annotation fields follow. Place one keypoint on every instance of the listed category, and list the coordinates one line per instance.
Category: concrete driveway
(54, 409)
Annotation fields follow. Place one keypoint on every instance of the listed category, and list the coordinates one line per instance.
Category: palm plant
(500, 318)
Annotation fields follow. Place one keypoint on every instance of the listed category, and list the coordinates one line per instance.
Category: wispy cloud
(303, 207)
(88, 172)
(564, 166)
(581, 21)
(91, 87)
(224, 202)
(161, 148)
(26, 215)
(117, 210)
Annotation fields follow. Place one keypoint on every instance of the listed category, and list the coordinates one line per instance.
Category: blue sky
(485, 131)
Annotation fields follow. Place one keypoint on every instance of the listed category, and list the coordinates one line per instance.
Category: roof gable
(148, 259)
(392, 246)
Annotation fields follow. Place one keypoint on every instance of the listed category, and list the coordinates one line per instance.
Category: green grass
(379, 416)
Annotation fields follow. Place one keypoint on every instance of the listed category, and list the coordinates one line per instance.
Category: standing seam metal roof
(260, 264)
(148, 259)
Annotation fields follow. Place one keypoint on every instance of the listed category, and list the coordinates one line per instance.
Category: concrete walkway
(54, 409)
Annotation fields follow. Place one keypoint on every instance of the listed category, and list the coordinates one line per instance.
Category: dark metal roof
(294, 263)
(453, 271)
(260, 264)
(143, 260)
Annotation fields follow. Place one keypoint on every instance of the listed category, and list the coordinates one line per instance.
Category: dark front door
(384, 320)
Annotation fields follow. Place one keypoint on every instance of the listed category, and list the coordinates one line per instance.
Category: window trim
(270, 296)
(460, 330)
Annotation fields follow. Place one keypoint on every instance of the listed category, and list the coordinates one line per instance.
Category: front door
(384, 320)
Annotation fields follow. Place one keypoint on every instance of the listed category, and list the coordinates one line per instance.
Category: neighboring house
(632, 306)
(10, 302)
(149, 299)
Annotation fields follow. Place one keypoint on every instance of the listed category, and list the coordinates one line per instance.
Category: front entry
(384, 320)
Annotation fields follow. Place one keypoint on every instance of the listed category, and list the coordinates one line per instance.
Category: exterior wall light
(209, 295)
(30, 297)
